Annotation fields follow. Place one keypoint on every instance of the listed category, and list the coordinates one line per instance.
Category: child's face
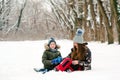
(52, 45)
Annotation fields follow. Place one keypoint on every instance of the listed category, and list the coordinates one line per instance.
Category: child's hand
(57, 60)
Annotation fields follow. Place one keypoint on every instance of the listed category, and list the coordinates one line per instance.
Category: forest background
(41, 19)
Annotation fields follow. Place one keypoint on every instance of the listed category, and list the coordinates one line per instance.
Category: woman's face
(75, 45)
(52, 45)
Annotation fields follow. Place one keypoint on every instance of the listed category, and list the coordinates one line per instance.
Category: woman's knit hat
(79, 36)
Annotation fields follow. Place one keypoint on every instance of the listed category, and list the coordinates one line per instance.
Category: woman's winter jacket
(84, 64)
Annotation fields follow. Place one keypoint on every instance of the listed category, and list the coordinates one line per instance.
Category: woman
(79, 57)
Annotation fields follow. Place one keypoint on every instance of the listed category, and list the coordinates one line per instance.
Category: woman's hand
(74, 62)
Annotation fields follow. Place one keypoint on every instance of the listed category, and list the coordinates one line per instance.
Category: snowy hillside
(17, 60)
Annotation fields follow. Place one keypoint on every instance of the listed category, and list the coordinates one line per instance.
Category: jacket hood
(47, 47)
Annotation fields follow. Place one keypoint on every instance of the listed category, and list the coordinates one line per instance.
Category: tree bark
(102, 29)
(107, 24)
(20, 16)
(116, 14)
(94, 20)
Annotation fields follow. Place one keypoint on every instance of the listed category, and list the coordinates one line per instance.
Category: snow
(18, 58)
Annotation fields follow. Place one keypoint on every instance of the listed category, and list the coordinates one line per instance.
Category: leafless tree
(115, 8)
(95, 18)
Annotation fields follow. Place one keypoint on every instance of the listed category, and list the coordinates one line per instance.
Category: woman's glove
(57, 60)
(81, 63)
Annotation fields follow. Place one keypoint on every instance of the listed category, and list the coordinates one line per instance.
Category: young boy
(51, 56)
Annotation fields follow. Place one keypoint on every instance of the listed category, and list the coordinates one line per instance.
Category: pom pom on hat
(51, 40)
(79, 32)
(79, 36)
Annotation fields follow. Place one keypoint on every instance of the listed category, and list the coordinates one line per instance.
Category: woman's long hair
(79, 54)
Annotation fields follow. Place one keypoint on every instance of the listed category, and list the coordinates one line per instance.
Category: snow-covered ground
(18, 58)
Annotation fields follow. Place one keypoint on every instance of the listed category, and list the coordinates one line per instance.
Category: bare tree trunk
(102, 29)
(116, 14)
(85, 10)
(20, 16)
(94, 19)
(72, 33)
(106, 21)
(2, 8)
